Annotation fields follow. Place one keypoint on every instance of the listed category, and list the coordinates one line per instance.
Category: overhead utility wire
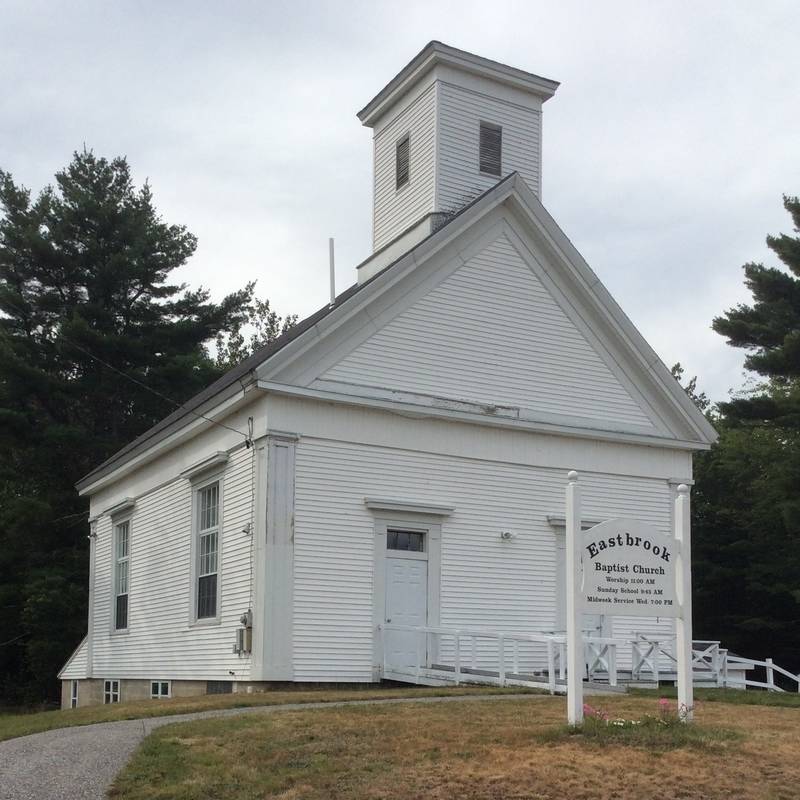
(150, 389)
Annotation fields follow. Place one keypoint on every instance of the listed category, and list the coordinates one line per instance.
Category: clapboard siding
(486, 582)
(160, 642)
(492, 333)
(460, 113)
(397, 209)
(76, 667)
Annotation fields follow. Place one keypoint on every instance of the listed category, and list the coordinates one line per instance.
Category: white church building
(392, 471)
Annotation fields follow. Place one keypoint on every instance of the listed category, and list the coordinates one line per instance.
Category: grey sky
(666, 149)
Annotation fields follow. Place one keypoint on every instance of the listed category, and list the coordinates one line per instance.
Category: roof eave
(438, 53)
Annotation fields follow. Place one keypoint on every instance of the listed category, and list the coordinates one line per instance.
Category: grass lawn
(498, 750)
(752, 697)
(13, 725)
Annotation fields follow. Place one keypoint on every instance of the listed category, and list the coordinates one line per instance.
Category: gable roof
(242, 373)
(510, 186)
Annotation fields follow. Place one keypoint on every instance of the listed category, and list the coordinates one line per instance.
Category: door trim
(432, 528)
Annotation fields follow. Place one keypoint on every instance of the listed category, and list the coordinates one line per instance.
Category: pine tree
(769, 330)
(746, 505)
(88, 320)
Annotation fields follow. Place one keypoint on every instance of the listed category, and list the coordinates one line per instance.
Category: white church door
(406, 597)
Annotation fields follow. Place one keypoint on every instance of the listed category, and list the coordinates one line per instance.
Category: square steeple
(447, 127)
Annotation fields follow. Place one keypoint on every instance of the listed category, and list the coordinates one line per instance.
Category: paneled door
(406, 604)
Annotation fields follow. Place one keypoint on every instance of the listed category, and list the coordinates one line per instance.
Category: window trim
(116, 522)
(108, 691)
(197, 487)
(73, 693)
(158, 695)
(406, 137)
(499, 128)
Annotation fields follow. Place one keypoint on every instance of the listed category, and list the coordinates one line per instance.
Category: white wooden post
(515, 657)
(551, 666)
(683, 592)
(770, 674)
(574, 630)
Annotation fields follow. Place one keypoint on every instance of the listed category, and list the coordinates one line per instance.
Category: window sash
(111, 691)
(207, 551)
(207, 596)
(399, 539)
(159, 689)
(122, 552)
(73, 694)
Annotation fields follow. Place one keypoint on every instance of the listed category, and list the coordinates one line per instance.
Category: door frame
(431, 527)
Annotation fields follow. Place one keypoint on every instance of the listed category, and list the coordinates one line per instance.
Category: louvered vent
(402, 160)
(491, 148)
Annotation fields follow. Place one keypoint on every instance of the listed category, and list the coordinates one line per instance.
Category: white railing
(750, 663)
(465, 659)
(708, 658)
(469, 658)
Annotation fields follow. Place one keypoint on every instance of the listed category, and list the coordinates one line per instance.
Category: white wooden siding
(492, 333)
(460, 113)
(160, 642)
(485, 583)
(76, 666)
(394, 209)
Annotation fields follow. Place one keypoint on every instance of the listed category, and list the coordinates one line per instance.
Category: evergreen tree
(746, 504)
(769, 330)
(88, 320)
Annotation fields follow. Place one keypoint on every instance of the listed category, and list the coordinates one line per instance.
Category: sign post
(683, 586)
(574, 604)
(627, 567)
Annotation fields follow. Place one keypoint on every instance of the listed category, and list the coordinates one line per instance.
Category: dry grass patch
(488, 750)
(13, 725)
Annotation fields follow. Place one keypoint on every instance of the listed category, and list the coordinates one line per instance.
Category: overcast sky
(666, 149)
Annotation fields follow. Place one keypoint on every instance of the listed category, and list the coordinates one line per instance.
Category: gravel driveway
(80, 763)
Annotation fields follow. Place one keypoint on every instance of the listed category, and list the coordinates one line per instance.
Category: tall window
(402, 160)
(73, 694)
(491, 148)
(122, 553)
(207, 550)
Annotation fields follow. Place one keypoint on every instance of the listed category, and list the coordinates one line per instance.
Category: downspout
(90, 623)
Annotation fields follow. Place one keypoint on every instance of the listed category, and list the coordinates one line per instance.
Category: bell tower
(446, 128)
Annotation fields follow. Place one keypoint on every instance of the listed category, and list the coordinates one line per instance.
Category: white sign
(628, 569)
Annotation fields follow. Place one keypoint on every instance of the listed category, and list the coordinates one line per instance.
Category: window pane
(123, 540)
(122, 577)
(121, 612)
(207, 596)
(208, 554)
(209, 505)
(405, 540)
(164, 689)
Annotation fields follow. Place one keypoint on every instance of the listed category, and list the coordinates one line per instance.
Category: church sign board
(629, 569)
